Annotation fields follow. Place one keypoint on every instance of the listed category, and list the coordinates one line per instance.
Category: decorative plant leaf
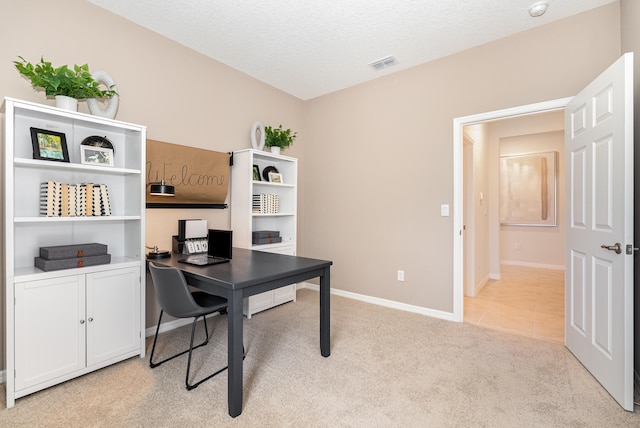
(77, 83)
(278, 137)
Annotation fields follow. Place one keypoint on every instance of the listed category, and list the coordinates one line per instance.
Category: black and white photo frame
(90, 155)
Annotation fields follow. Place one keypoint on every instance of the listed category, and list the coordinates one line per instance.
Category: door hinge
(631, 249)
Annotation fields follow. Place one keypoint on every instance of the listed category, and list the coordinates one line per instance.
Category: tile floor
(527, 301)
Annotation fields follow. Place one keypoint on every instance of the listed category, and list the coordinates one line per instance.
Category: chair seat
(209, 302)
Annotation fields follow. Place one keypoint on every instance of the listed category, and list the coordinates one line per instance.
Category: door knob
(616, 247)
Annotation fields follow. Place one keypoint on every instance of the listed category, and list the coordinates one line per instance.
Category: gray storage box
(263, 241)
(72, 251)
(265, 234)
(261, 237)
(72, 263)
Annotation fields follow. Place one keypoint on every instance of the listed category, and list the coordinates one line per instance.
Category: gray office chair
(177, 300)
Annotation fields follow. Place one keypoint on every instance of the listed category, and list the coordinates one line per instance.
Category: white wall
(541, 246)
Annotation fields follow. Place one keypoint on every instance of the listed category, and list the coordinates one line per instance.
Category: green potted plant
(278, 138)
(76, 83)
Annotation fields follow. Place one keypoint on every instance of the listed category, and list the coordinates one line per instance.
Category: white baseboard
(384, 302)
(481, 284)
(534, 265)
(495, 276)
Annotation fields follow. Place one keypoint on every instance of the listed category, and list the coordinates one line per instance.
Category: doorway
(519, 286)
(599, 277)
(458, 179)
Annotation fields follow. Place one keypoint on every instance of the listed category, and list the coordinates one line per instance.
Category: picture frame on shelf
(267, 170)
(96, 156)
(275, 177)
(49, 145)
(256, 173)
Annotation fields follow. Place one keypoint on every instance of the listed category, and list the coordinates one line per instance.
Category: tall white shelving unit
(65, 323)
(244, 221)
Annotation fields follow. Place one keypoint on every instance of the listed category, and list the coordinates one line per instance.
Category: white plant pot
(275, 150)
(67, 103)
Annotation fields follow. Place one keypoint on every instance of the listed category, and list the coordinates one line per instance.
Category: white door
(599, 280)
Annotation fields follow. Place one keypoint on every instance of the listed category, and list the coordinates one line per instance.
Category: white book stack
(88, 206)
(72, 189)
(266, 203)
(97, 203)
(81, 199)
(104, 199)
(50, 198)
(257, 204)
(71, 200)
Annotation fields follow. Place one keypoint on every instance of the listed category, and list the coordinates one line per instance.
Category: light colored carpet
(387, 368)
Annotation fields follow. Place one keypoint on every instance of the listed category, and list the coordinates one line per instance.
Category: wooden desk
(249, 273)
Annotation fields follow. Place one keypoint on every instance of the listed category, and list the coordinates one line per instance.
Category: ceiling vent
(385, 62)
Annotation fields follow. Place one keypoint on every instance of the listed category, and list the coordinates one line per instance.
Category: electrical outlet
(400, 275)
(517, 247)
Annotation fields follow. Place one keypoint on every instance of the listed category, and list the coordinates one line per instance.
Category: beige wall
(375, 159)
(379, 156)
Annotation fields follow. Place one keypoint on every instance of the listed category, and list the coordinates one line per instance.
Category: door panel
(599, 281)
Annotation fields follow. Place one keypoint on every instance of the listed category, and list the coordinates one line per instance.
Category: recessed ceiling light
(385, 62)
(538, 8)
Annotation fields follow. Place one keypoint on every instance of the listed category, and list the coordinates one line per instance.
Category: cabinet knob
(81, 321)
(90, 319)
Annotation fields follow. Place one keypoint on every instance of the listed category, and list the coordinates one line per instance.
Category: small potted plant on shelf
(278, 138)
(74, 84)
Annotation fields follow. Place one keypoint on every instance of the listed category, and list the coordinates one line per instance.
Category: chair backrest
(173, 292)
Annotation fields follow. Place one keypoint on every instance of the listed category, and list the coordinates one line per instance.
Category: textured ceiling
(309, 48)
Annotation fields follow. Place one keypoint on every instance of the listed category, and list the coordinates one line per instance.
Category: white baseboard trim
(481, 284)
(534, 265)
(495, 276)
(384, 302)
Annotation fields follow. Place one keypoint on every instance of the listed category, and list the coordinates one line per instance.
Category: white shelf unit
(244, 221)
(98, 333)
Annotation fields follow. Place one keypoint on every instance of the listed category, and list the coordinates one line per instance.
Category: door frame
(458, 185)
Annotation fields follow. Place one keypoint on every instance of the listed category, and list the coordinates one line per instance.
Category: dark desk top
(248, 268)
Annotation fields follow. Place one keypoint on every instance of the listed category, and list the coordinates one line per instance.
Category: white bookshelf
(105, 326)
(244, 221)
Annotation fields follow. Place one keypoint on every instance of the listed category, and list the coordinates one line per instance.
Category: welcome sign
(200, 177)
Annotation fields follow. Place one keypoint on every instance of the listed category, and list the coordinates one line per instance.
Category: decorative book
(70, 200)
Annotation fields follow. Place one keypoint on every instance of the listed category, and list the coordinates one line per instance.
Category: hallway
(526, 301)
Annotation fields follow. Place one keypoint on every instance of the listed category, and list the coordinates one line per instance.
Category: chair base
(188, 385)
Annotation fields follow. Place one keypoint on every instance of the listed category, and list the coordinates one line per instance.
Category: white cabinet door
(50, 329)
(113, 314)
(269, 299)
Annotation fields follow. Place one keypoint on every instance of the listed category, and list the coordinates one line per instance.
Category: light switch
(444, 210)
